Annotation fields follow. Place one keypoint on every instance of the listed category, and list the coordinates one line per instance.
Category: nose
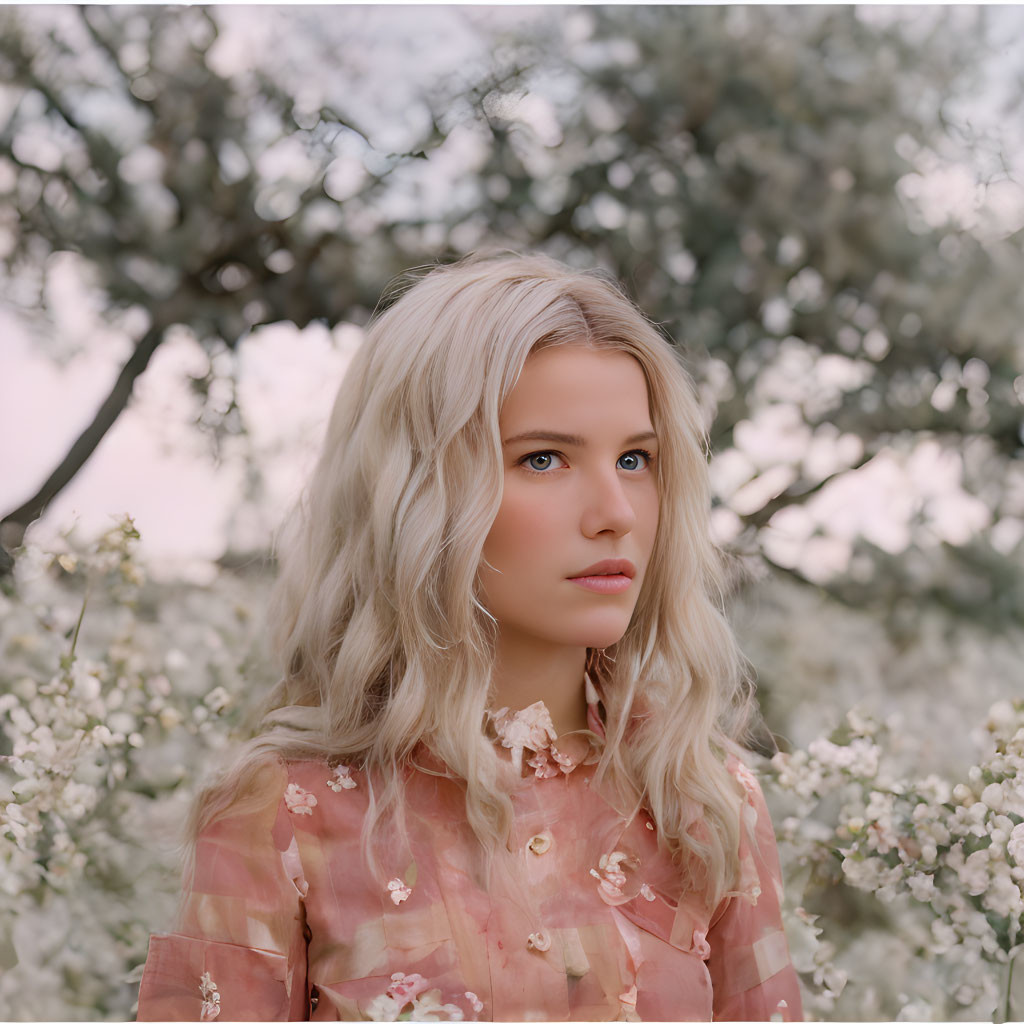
(606, 506)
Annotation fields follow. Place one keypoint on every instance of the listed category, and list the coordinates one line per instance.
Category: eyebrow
(572, 439)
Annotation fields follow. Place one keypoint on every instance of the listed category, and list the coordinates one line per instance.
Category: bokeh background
(823, 206)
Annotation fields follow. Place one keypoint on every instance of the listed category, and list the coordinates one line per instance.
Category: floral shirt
(283, 920)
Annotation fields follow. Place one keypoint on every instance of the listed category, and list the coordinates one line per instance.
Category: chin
(597, 636)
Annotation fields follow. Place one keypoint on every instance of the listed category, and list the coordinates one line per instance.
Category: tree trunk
(14, 524)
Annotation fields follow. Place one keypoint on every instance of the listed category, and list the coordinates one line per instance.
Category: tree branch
(14, 524)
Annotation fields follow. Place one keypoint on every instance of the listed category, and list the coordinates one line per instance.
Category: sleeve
(752, 975)
(238, 951)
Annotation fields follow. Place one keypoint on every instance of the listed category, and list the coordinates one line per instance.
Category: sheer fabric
(282, 919)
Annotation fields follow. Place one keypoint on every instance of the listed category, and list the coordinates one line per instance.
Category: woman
(497, 780)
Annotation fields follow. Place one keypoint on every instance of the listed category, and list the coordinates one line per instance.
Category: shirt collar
(531, 729)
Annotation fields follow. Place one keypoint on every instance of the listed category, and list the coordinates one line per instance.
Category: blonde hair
(375, 618)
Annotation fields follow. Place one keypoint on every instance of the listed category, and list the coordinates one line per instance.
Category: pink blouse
(283, 920)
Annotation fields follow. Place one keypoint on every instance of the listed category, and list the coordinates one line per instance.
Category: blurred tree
(750, 173)
(193, 198)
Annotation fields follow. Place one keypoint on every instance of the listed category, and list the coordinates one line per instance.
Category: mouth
(609, 567)
(610, 576)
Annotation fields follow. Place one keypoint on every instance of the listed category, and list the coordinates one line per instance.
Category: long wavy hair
(376, 620)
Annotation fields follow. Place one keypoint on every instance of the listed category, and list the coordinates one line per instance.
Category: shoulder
(273, 793)
(324, 797)
(261, 819)
(757, 830)
(743, 775)
(754, 811)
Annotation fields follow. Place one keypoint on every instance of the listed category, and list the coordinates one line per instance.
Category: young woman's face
(572, 501)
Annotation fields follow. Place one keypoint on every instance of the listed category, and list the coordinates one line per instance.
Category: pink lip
(610, 576)
(608, 567)
(614, 584)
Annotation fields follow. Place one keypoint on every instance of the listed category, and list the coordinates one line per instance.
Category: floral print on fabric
(298, 800)
(611, 878)
(210, 1009)
(590, 919)
(341, 778)
(399, 891)
(409, 997)
(549, 764)
(530, 728)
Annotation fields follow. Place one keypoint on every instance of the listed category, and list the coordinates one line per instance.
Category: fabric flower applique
(530, 728)
(540, 941)
(399, 891)
(647, 892)
(210, 1009)
(408, 998)
(407, 987)
(746, 778)
(474, 1001)
(611, 878)
(550, 763)
(701, 946)
(342, 778)
(299, 800)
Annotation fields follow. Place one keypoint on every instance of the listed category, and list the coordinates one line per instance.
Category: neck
(527, 670)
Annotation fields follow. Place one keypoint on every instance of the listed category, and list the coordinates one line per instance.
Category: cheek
(520, 529)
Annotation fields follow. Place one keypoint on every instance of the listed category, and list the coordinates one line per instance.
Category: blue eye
(635, 465)
(633, 454)
(539, 455)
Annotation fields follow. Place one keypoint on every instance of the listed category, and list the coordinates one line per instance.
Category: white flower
(1003, 896)
(945, 937)
(540, 940)
(217, 699)
(922, 887)
(474, 1001)
(1015, 844)
(973, 872)
(992, 796)
(859, 757)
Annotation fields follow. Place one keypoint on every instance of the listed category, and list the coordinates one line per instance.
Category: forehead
(575, 382)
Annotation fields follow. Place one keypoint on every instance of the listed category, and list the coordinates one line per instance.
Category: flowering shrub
(945, 860)
(106, 722)
(904, 893)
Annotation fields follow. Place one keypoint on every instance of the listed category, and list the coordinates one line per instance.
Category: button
(540, 843)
